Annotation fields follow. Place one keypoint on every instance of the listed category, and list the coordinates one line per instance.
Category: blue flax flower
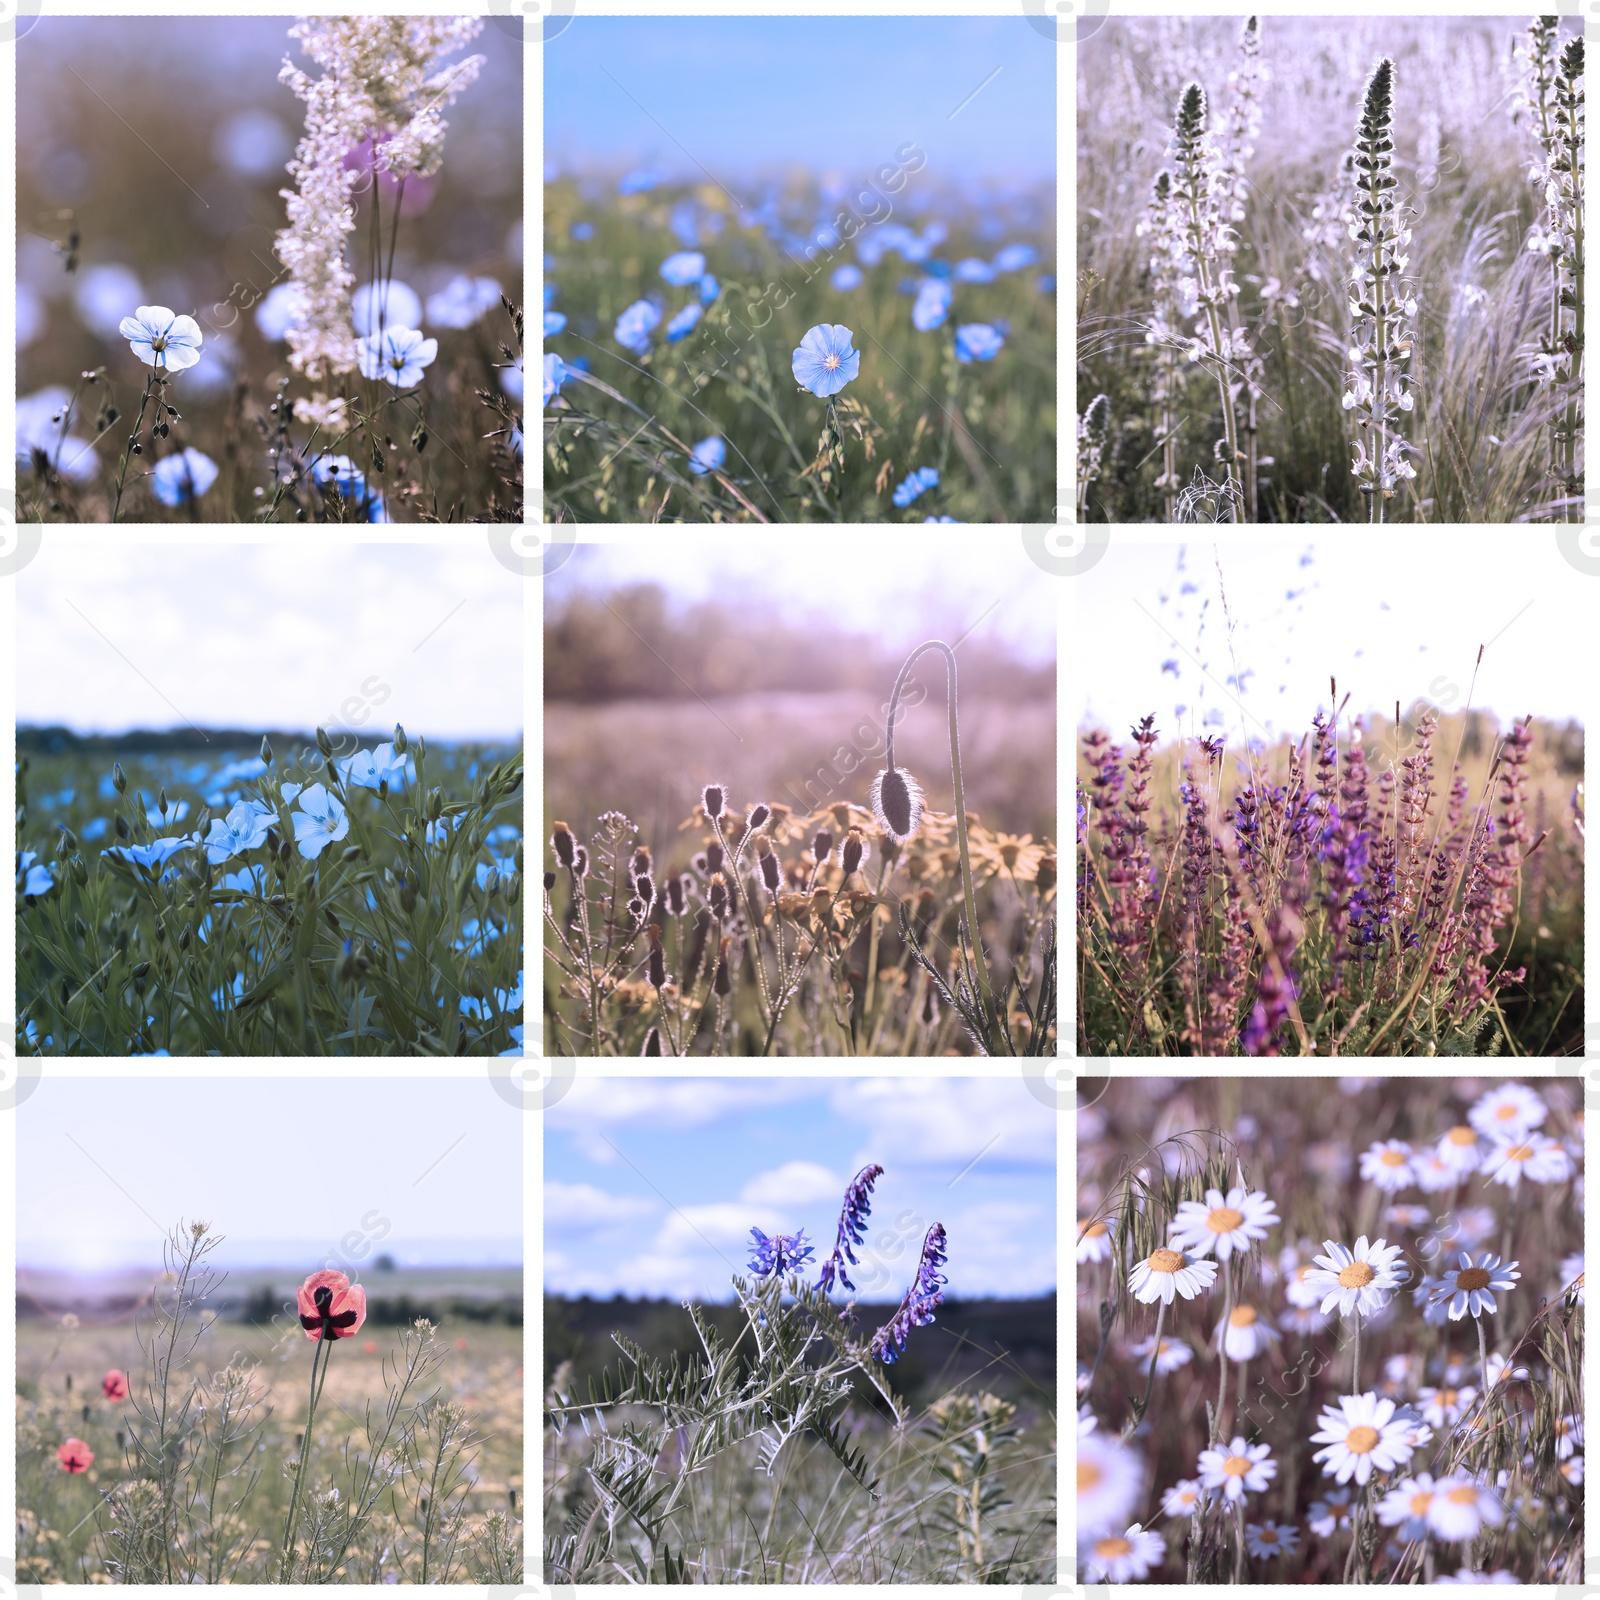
(319, 822)
(977, 341)
(933, 305)
(150, 855)
(397, 355)
(245, 829)
(462, 301)
(916, 484)
(1015, 257)
(555, 374)
(179, 479)
(852, 1228)
(687, 266)
(160, 338)
(554, 322)
(916, 1310)
(824, 362)
(682, 325)
(707, 456)
(32, 878)
(972, 270)
(709, 289)
(368, 768)
(635, 326)
(846, 278)
(782, 1254)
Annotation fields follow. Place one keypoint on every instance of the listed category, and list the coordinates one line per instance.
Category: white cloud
(670, 1103)
(581, 1206)
(959, 1123)
(796, 1183)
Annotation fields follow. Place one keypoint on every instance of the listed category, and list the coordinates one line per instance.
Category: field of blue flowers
(877, 352)
(325, 900)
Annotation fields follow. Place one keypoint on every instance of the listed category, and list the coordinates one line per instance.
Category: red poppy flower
(75, 1456)
(114, 1386)
(329, 1307)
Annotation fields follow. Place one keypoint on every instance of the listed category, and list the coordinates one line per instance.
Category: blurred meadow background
(129, 194)
(1486, 324)
(892, 177)
(163, 783)
(1207, 674)
(421, 1204)
(769, 672)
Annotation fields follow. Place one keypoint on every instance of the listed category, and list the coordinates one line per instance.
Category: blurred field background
(708, 135)
(131, 194)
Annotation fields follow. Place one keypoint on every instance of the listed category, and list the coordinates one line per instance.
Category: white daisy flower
(1413, 1217)
(1165, 1272)
(1513, 1108)
(1406, 1507)
(1122, 1557)
(1572, 1276)
(1271, 1538)
(1461, 1507)
(1331, 1513)
(1461, 1149)
(1244, 1336)
(1396, 1375)
(1418, 1433)
(1237, 1467)
(1569, 1435)
(1224, 1223)
(1174, 1353)
(1094, 1240)
(1185, 1497)
(1360, 1280)
(1572, 1470)
(1467, 1287)
(1388, 1164)
(1500, 1367)
(1298, 1290)
(1433, 1311)
(1473, 1224)
(1433, 1173)
(1536, 1159)
(1453, 1370)
(1087, 1421)
(1361, 1434)
(1444, 1408)
(1110, 1482)
(1304, 1320)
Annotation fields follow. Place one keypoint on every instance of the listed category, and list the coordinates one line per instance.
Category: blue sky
(734, 94)
(286, 1169)
(652, 1185)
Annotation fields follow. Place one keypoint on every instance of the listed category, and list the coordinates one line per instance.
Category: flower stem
(1355, 1358)
(1222, 1344)
(1155, 1355)
(1483, 1357)
(287, 1563)
(127, 450)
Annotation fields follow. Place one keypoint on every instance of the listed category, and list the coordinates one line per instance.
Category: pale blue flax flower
(245, 829)
(915, 484)
(283, 308)
(972, 270)
(31, 877)
(554, 322)
(179, 479)
(825, 362)
(320, 821)
(687, 266)
(707, 456)
(555, 374)
(462, 301)
(846, 278)
(366, 769)
(398, 355)
(635, 326)
(932, 305)
(709, 289)
(391, 305)
(152, 855)
(161, 338)
(683, 324)
(1015, 257)
(977, 341)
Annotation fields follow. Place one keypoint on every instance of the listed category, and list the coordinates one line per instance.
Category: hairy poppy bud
(675, 900)
(821, 846)
(645, 888)
(897, 803)
(1045, 877)
(759, 817)
(715, 799)
(641, 861)
(715, 855)
(723, 982)
(580, 862)
(771, 874)
(549, 882)
(561, 841)
(853, 853)
(717, 896)
(658, 960)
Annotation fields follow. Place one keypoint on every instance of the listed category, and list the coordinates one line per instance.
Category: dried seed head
(716, 799)
(822, 846)
(760, 817)
(561, 841)
(715, 855)
(717, 896)
(644, 887)
(675, 894)
(580, 862)
(853, 852)
(771, 874)
(641, 860)
(897, 803)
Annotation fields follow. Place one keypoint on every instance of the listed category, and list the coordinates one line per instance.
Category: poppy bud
(722, 983)
(717, 896)
(853, 853)
(324, 743)
(266, 750)
(641, 860)
(561, 842)
(658, 960)
(580, 864)
(675, 894)
(897, 803)
(759, 817)
(637, 909)
(770, 873)
(715, 855)
(1045, 877)
(644, 888)
(715, 798)
(399, 740)
(549, 882)
(821, 846)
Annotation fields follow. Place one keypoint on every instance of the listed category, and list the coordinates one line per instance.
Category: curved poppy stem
(287, 1563)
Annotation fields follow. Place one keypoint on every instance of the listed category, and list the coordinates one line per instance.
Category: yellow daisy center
(1166, 1261)
(1268, 1536)
(1094, 1230)
(1392, 1158)
(1520, 1152)
(1448, 1397)
(1419, 1503)
(1089, 1476)
(1236, 1466)
(1472, 1278)
(1113, 1547)
(830, 361)
(1462, 1135)
(1361, 1441)
(1356, 1276)
(1224, 1219)
(1466, 1495)
(1242, 1316)
(1506, 1113)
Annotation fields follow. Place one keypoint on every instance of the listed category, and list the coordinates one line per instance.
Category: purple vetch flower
(852, 1228)
(916, 1310)
(782, 1254)
(1260, 1036)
